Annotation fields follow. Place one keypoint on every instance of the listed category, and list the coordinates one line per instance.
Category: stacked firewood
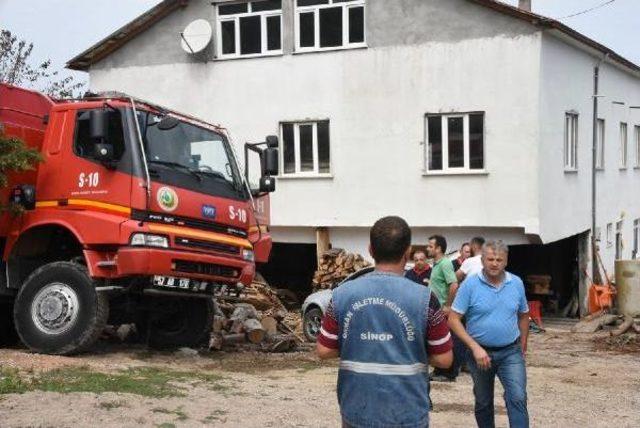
(335, 265)
(254, 315)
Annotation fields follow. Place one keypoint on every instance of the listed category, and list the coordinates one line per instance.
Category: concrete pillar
(323, 241)
(585, 260)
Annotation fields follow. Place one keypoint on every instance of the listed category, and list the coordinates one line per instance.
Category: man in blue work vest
(386, 329)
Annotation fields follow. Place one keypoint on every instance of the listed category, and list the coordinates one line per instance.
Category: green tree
(16, 69)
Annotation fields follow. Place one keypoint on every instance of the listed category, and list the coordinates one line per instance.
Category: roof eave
(549, 23)
(118, 38)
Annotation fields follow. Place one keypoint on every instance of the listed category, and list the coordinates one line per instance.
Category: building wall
(357, 239)
(565, 197)
(450, 56)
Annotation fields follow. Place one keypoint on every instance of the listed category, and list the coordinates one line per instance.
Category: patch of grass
(215, 416)
(181, 415)
(166, 425)
(146, 381)
(110, 405)
(11, 382)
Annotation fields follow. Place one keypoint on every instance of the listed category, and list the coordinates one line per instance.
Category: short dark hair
(477, 241)
(390, 237)
(440, 242)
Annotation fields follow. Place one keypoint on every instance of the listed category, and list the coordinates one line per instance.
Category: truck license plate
(179, 283)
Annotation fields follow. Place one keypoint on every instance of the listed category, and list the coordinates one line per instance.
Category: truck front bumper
(132, 261)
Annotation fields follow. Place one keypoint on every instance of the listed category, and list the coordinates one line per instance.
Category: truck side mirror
(270, 161)
(99, 124)
(103, 152)
(267, 184)
(272, 141)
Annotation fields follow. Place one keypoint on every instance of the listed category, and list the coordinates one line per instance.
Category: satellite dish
(196, 36)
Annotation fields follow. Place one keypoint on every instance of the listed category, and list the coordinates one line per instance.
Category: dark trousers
(508, 364)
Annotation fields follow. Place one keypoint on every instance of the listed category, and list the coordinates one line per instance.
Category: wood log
(216, 342)
(622, 328)
(242, 312)
(593, 325)
(219, 323)
(254, 330)
(270, 325)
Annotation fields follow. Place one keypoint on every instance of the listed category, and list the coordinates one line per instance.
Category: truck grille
(207, 245)
(205, 269)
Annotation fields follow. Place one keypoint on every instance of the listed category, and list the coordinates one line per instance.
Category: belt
(500, 348)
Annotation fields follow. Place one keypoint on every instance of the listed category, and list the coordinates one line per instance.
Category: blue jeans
(508, 363)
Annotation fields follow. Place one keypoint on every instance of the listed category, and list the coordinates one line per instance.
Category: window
(600, 145)
(305, 148)
(455, 142)
(636, 238)
(609, 235)
(619, 240)
(250, 29)
(571, 141)
(623, 145)
(637, 139)
(84, 145)
(329, 24)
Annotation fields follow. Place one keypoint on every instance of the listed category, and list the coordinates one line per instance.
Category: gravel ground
(572, 383)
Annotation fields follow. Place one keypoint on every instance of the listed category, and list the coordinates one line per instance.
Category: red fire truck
(136, 214)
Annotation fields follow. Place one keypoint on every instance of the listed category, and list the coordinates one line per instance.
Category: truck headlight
(248, 255)
(147, 240)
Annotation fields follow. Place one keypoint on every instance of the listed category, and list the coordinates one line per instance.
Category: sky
(61, 29)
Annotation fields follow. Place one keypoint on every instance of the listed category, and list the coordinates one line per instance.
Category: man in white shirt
(472, 265)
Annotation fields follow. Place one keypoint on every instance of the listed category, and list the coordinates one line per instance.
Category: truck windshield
(201, 158)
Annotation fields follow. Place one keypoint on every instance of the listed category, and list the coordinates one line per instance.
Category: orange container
(600, 297)
(535, 312)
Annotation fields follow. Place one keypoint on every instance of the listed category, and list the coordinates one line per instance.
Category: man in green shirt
(445, 285)
(443, 279)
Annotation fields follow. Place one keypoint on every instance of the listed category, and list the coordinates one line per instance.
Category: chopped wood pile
(255, 316)
(335, 265)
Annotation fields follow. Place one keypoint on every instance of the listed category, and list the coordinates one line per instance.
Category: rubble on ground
(335, 265)
(611, 332)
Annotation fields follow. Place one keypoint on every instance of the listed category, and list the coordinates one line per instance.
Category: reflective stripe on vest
(384, 369)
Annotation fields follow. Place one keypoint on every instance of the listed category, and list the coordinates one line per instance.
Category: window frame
(571, 140)
(264, 15)
(298, 173)
(636, 239)
(600, 144)
(618, 240)
(637, 140)
(624, 145)
(345, 5)
(466, 169)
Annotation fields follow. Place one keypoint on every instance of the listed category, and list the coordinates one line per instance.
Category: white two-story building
(465, 117)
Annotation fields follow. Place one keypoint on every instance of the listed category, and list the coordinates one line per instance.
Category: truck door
(90, 183)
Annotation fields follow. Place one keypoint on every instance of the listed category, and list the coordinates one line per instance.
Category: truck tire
(58, 310)
(175, 322)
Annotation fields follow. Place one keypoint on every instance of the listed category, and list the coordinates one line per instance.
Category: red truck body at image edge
(148, 205)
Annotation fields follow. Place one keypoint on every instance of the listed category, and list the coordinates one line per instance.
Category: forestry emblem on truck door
(167, 199)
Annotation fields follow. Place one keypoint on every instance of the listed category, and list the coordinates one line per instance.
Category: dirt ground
(573, 382)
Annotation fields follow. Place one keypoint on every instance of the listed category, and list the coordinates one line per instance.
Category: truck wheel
(311, 323)
(58, 310)
(176, 322)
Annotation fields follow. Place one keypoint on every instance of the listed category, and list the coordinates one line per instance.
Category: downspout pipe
(595, 272)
